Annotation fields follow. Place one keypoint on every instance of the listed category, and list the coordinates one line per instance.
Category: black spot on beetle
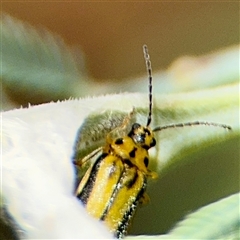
(119, 141)
(153, 143)
(132, 153)
(146, 161)
(128, 162)
(146, 147)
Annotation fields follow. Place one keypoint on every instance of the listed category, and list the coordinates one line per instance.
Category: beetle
(115, 183)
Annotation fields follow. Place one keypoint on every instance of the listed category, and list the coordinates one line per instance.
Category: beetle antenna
(191, 124)
(149, 71)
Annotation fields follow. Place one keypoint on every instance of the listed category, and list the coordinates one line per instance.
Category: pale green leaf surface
(211, 70)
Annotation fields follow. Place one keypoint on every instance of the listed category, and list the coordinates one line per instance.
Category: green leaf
(36, 65)
(218, 220)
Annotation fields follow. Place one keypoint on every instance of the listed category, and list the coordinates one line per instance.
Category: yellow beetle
(115, 184)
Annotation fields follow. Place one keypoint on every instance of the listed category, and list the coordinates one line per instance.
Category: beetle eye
(136, 126)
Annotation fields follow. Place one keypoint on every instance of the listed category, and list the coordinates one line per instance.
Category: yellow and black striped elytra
(115, 184)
